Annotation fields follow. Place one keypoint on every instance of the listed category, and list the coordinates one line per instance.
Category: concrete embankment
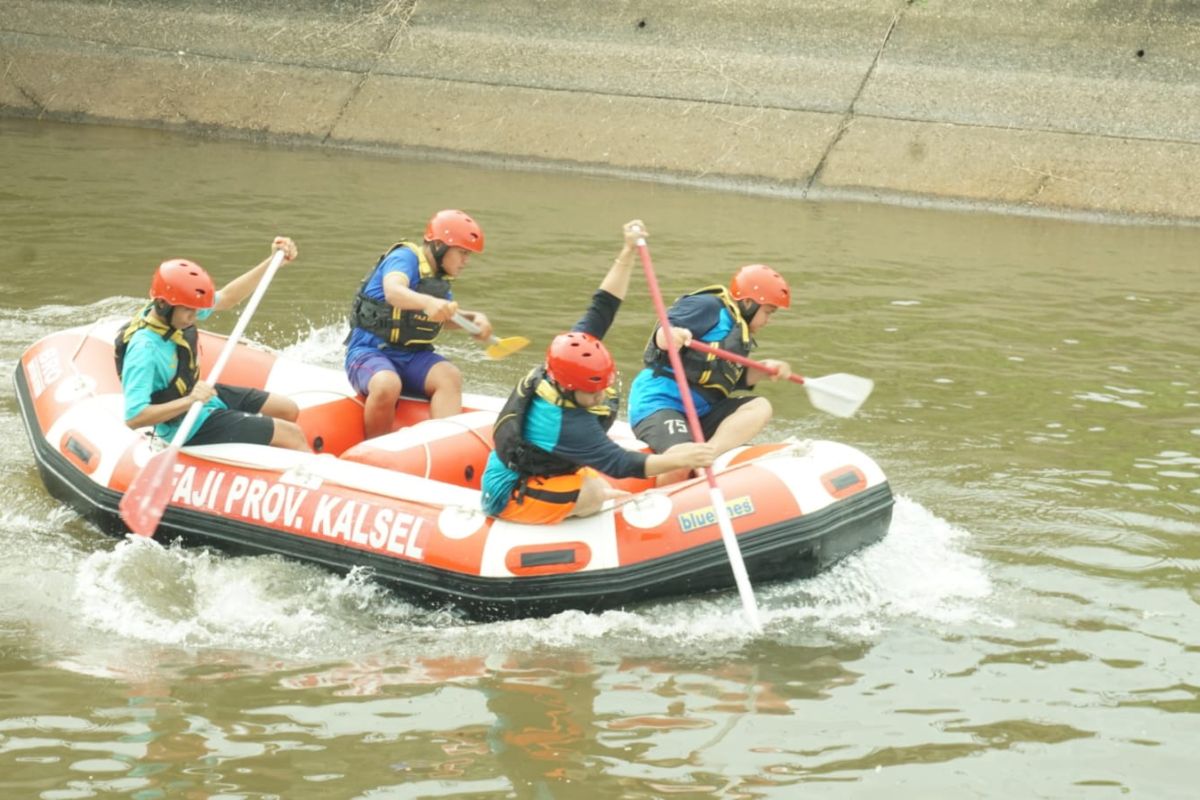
(1068, 107)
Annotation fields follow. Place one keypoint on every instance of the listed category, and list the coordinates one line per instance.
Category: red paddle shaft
(724, 523)
(734, 357)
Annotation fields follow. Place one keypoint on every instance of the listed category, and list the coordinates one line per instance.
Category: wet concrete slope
(1069, 107)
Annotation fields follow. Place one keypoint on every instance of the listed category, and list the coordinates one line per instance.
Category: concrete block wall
(1071, 107)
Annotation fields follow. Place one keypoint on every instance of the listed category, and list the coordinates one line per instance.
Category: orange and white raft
(406, 506)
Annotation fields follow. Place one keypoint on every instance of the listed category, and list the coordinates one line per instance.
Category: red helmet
(455, 229)
(579, 362)
(760, 284)
(183, 283)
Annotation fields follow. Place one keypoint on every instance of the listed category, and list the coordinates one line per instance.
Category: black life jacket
(523, 457)
(187, 351)
(713, 375)
(401, 328)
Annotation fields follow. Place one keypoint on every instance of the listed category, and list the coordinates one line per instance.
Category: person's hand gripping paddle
(497, 347)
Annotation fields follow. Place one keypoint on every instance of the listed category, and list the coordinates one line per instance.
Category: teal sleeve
(140, 376)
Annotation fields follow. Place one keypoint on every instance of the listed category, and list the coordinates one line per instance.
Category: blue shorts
(411, 365)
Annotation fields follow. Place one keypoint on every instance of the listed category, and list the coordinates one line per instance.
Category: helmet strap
(749, 309)
(165, 311)
(438, 248)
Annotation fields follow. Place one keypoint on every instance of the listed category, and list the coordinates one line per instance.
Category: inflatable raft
(406, 506)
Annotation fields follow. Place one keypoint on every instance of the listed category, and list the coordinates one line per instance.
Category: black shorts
(667, 428)
(240, 422)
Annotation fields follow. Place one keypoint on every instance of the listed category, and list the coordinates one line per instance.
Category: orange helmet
(455, 229)
(760, 284)
(180, 282)
(579, 362)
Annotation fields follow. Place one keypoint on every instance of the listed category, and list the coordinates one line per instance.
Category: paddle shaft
(840, 394)
(734, 357)
(470, 327)
(724, 523)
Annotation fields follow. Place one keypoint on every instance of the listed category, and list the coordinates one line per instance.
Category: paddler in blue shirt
(401, 307)
(158, 361)
(552, 434)
(727, 318)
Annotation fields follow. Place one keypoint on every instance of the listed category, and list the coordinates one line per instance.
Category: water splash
(322, 346)
(921, 571)
(143, 591)
(172, 596)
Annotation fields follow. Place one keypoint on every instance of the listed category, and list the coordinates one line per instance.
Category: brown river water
(1030, 627)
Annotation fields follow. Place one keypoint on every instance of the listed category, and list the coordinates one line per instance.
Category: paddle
(147, 496)
(749, 606)
(839, 394)
(498, 348)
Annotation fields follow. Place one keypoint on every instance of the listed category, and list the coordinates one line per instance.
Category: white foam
(142, 592)
(172, 596)
(322, 347)
(920, 570)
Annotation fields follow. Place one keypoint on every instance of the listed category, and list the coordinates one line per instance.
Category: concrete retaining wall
(1068, 107)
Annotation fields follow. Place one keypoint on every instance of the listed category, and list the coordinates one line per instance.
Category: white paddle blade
(839, 394)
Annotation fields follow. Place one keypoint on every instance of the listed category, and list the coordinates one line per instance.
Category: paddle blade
(503, 348)
(839, 394)
(146, 498)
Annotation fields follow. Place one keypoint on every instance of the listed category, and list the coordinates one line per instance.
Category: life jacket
(707, 371)
(523, 457)
(187, 351)
(401, 328)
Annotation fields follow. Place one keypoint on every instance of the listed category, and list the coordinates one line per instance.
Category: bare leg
(592, 495)
(281, 407)
(290, 435)
(443, 386)
(738, 428)
(379, 412)
(742, 425)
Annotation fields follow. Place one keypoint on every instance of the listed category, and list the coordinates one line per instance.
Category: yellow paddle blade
(503, 348)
